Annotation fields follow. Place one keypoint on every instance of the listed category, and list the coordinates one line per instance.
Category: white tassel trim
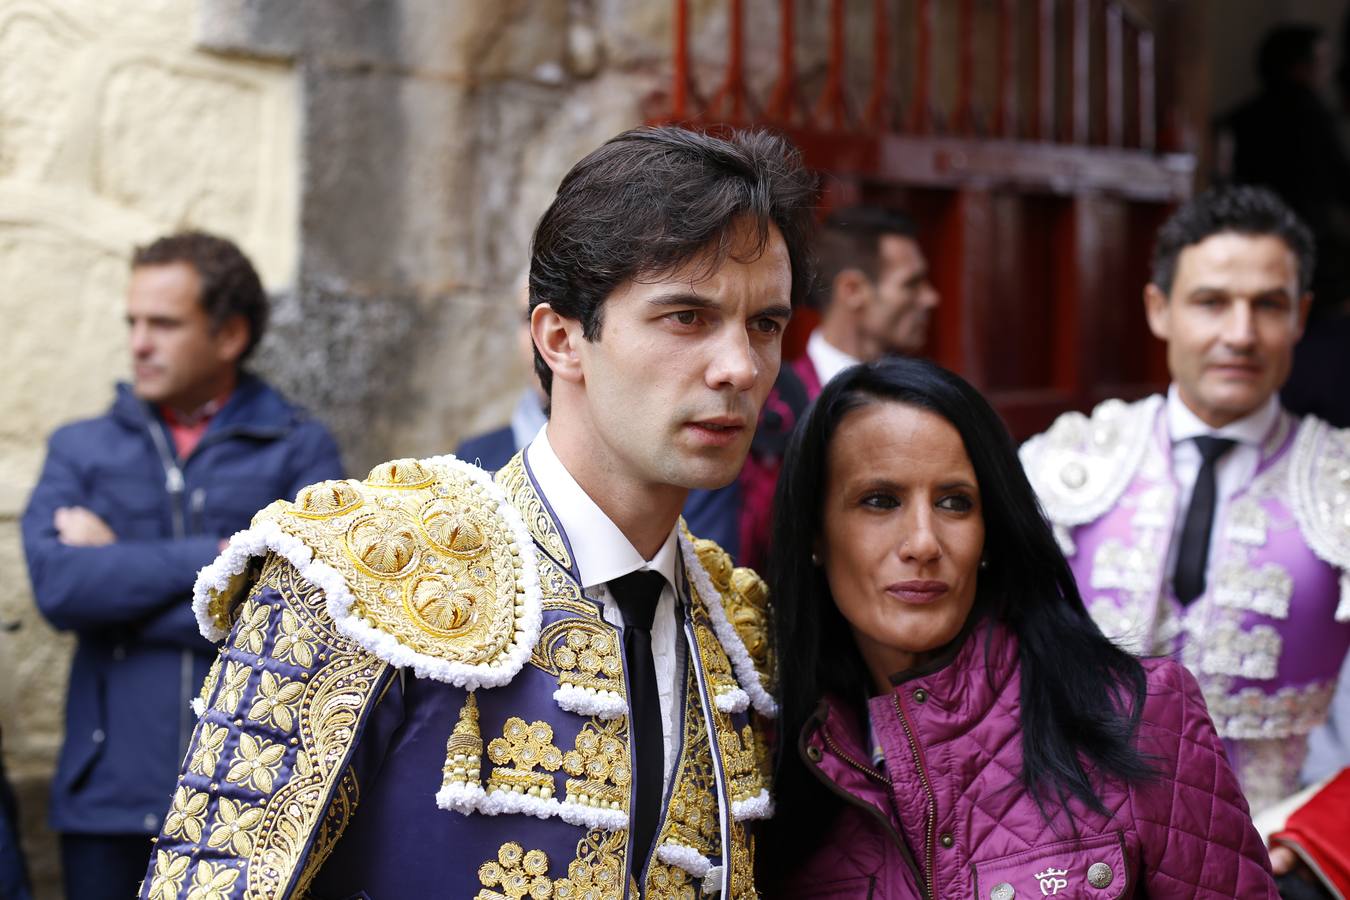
(339, 600)
(687, 858)
(746, 673)
(733, 700)
(198, 707)
(460, 798)
(760, 807)
(500, 803)
(590, 702)
(712, 882)
(593, 816)
(1343, 608)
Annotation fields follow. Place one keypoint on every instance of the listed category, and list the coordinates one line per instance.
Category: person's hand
(1282, 860)
(78, 527)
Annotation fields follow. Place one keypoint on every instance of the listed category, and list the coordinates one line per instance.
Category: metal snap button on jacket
(1099, 875)
(1003, 891)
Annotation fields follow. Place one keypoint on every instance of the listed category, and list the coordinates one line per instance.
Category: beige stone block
(68, 340)
(37, 50)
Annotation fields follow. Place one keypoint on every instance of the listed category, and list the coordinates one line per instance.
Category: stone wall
(382, 161)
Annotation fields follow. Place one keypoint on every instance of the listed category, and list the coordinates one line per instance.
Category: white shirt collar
(828, 359)
(600, 550)
(1182, 424)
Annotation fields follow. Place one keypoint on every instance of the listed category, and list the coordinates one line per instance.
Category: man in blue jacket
(128, 507)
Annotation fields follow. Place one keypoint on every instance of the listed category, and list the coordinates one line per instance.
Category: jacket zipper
(176, 484)
(930, 820)
(867, 807)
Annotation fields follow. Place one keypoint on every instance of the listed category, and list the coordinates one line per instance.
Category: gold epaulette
(424, 564)
(745, 606)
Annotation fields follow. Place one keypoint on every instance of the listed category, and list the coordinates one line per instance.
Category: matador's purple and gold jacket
(1267, 637)
(414, 698)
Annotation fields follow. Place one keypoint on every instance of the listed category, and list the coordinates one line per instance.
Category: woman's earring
(984, 564)
(815, 559)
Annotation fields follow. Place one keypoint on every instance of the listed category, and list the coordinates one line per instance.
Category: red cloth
(187, 430)
(1319, 831)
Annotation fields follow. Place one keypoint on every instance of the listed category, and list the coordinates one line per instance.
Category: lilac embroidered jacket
(1267, 637)
(414, 698)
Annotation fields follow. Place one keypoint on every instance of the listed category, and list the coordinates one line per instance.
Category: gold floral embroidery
(168, 877)
(236, 826)
(518, 874)
(716, 665)
(212, 882)
(210, 682)
(669, 883)
(187, 815)
(742, 864)
(210, 741)
(581, 652)
(232, 687)
(524, 747)
(692, 820)
(252, 627)
(295, 643)
(277, 701)
(256, 763)
(598, 871)
(599, 766)
(741, 762)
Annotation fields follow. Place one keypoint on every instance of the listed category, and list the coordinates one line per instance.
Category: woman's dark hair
(1081, 695)
(652, 199)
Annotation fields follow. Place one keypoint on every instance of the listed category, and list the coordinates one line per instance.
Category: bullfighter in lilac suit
(1211, 524)
(434, 683)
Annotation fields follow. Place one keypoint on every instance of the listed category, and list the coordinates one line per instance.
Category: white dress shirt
(828, 359)
(602, 554)
(1234, 470)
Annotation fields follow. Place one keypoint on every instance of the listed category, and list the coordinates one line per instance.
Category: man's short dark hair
(851, 239)
(1244, 209)
(1285, 48)
(230, 285)
(652, 199)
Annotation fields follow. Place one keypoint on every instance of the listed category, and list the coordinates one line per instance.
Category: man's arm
(88, 587)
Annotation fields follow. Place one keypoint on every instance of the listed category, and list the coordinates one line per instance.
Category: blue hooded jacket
(139, 659)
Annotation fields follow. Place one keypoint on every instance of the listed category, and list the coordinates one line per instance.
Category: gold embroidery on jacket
(518, 873)
(212, 882)
(210, 741)
(742, 863)
(233, 686)
(464, 749)
(236, 827)
(277, 701)
(670, 883)
(599, 765)
(740, 760)
(211, 675)
(252, 627)
(692, 820)
(256, 763)
(187, 814)
(295, 643)
(167, 879)
(521, 494)
(518, 752)
(581, 652)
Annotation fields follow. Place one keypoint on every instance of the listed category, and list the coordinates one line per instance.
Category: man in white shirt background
(1212, 524)
(875, 299)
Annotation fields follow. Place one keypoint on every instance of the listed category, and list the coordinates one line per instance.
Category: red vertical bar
(878, 108)
(1115, 75)
(1045, 71)
(1080, 86)
(679, 95)
(920, 119)
(783, 102)
(965, 116)
(1005, 113)
(832, 107)
(1148, 111)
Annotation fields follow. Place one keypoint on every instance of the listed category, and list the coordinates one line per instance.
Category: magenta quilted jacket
(954, 821)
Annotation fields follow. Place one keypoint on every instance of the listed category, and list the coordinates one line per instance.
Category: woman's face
(903, 533)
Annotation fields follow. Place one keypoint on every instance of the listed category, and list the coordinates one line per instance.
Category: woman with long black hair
(953, 723)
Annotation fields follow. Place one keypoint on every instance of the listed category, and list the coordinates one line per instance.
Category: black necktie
(1193, 557)
(637, 594)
